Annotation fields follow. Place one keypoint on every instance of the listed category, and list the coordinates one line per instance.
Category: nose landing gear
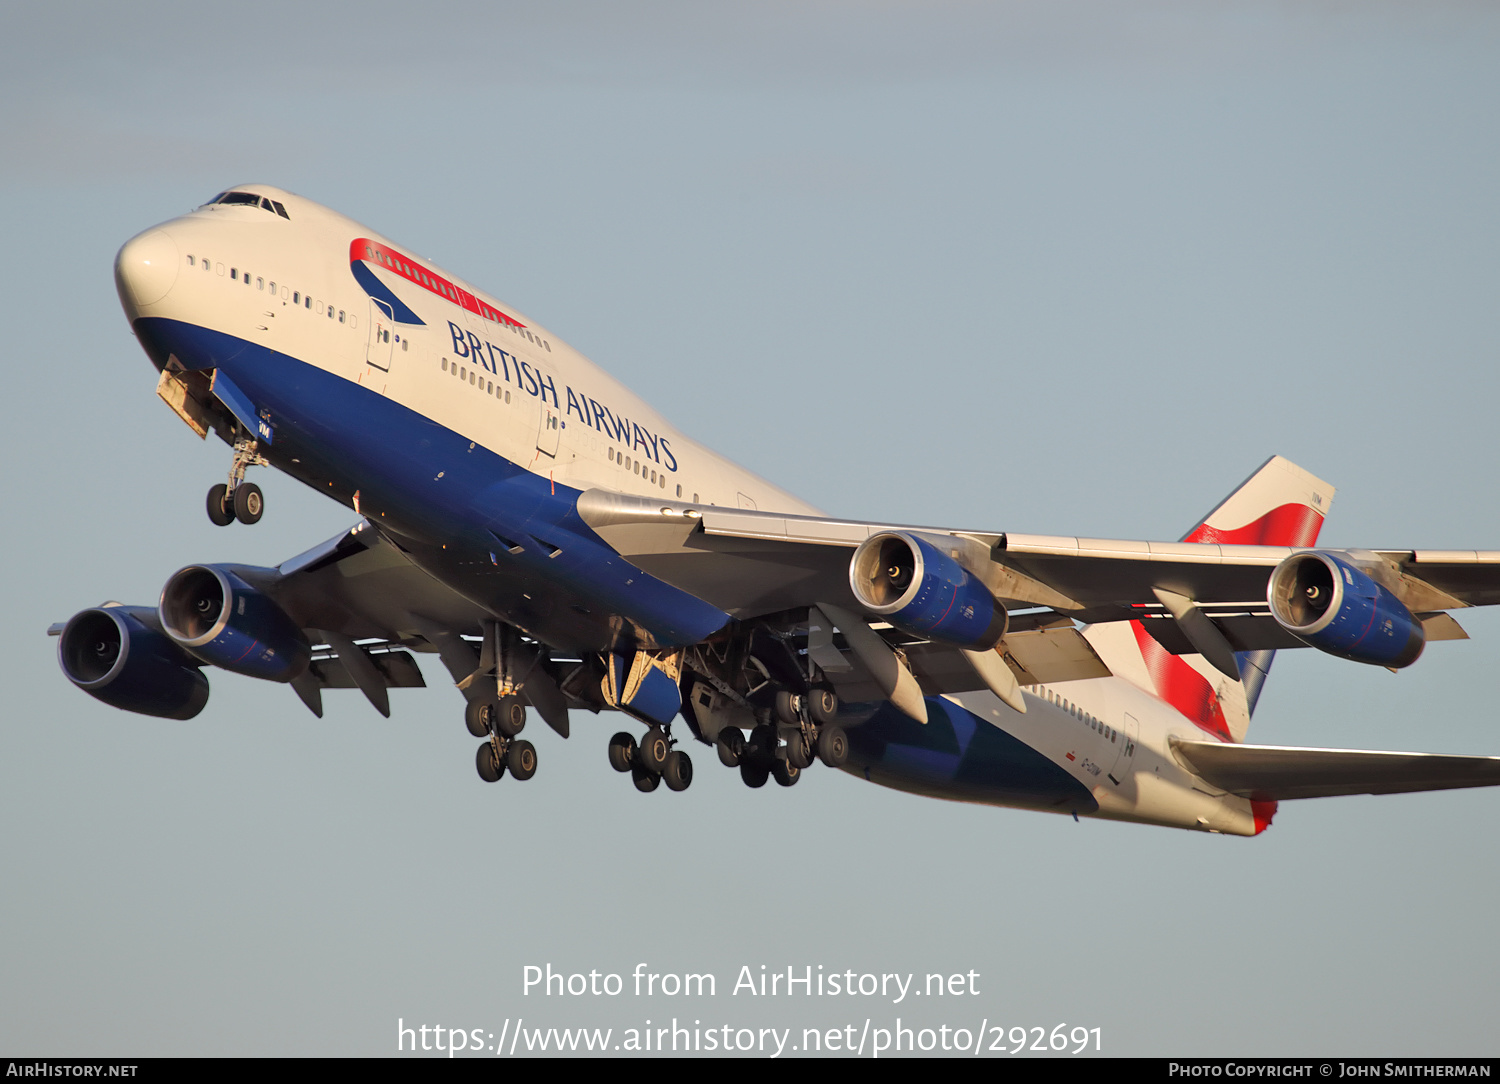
(238, 500)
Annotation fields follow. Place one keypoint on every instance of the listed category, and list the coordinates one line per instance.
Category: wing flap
(1274, 772)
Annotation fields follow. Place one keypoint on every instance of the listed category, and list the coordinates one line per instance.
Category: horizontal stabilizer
(1273, 772)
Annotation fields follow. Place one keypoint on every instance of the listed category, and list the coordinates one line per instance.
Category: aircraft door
(382, 326)
(550, 430)
(1125, 758)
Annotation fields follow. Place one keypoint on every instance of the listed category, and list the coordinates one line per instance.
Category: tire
(218, 514)
(477, 715)
(489, 766)
(787, 708)
(621, 752)
(678, 771)
(753, 775)
(823, 706)
(654, 749)
(833, 746)
(786, 773)
(510, 716)
(761, 748)
(731, 746)
(799, 750)
(520, 758)
(645, 781)
(249, 505)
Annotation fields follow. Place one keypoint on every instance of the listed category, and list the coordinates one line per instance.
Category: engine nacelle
(117, 654)
(1328, 602)
(219, 618)
(918, 588)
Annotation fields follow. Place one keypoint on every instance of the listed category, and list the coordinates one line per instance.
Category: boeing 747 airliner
(562, 547)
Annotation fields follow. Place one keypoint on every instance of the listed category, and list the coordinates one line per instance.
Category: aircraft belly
(461, 511)
(955, 755)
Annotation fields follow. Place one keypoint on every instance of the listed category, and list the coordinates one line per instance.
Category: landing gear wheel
(753, 775)
(786, 774)
(488, 764)
(654, 749)
(731, 746)
(520, 758)
(621, 752)
(833, 746)
(677, 773)
(477, 717)
(823, 706)
(218, 513)
(645, 780)
(761, 748)
(510, 716)
(788, 707)
(799, 750)
(248, 503)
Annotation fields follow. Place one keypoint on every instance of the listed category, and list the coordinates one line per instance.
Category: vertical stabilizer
(1279, 505)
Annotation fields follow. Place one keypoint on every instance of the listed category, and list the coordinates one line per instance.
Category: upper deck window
(250, 199)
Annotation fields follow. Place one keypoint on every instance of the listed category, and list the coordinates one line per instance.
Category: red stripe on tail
(1181, 686)
(1289, 525)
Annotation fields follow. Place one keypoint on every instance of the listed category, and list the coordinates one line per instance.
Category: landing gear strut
(651, 762)
(500, 716)
(238, 500)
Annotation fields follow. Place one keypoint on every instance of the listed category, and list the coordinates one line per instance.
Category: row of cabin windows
(1082, 716)
(475, 379)
(635, 466)
(446, 290)
(298, 298)
(489, 387)
(534, 338)
(643, 469)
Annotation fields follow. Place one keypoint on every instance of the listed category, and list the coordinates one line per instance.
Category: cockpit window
(250, 199)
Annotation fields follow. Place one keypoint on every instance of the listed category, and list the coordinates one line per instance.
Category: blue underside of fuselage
(424, 482)
(957, 755)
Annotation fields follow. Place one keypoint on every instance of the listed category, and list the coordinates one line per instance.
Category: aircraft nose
(145, 269)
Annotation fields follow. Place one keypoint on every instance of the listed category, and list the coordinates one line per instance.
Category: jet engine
(219, 618)
(1327, 602)
(922, 590)
(118, 654)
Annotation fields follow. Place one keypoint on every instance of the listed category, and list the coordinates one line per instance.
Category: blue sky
(1070, 268)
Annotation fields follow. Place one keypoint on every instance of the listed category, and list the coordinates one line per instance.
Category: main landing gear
(239, 499)
(651, 762)
(499, 721)
(804, 729)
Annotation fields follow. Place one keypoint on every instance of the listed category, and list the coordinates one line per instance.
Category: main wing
(1207, 597)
